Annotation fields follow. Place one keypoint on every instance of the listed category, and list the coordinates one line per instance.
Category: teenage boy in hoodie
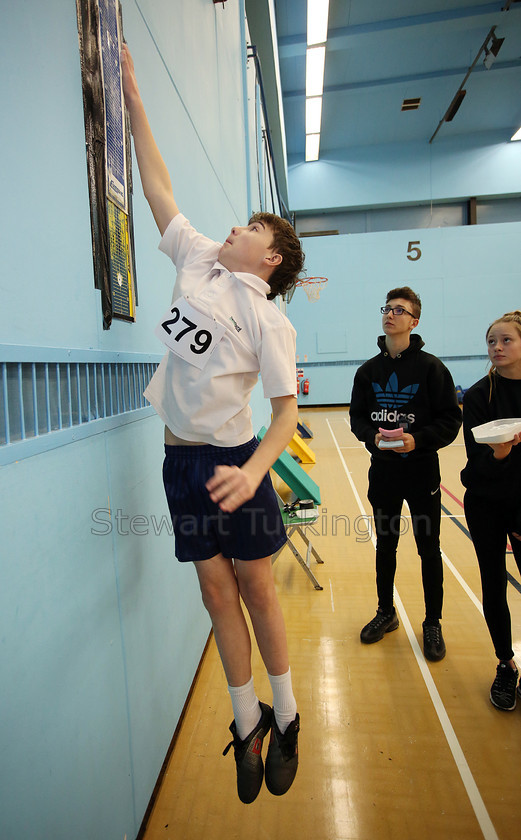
(410, 394)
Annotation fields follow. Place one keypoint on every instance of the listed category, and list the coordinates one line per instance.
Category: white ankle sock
(246, 709)
(284, 703)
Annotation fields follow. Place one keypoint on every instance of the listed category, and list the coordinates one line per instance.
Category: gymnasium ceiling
(380, 52)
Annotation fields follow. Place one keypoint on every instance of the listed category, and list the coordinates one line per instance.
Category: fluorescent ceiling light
(315, 60)
(517, 135)
(313, 114)
(312, 146)
(318, 11)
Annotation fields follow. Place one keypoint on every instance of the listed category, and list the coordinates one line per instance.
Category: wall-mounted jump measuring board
(109, 162)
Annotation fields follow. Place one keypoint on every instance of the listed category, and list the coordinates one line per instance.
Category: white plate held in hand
(497, 431)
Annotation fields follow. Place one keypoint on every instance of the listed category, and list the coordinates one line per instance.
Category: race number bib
(188, 333)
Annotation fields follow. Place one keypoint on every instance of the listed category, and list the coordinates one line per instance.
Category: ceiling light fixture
(318, 12)
(312, 146)
(313, 114)
(315, 62)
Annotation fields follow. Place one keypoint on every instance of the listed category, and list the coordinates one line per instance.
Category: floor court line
(476, 801)
(349, 447)
(452, 496)
(455, 517)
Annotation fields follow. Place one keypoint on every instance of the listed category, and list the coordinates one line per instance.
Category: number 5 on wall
(413, 252)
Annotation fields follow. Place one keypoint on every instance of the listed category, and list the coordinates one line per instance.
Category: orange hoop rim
(311, 281)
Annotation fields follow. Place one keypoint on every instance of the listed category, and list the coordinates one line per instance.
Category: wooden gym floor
(391, 747)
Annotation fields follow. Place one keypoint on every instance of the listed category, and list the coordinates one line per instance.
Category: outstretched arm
(155, 178)
(230, 487)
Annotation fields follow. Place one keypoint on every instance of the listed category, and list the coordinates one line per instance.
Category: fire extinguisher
(305, 386)
(298, 386)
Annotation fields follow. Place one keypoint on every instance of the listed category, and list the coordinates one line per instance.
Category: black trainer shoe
(381, 624)
(248, 756)
(433, 642)
(503, 689)
(282, 758)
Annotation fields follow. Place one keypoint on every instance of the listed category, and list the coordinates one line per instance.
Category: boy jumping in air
(221, 331)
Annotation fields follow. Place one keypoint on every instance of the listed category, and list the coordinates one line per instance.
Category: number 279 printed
(202, 338)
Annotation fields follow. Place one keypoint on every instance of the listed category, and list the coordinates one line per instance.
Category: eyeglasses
(396, 310)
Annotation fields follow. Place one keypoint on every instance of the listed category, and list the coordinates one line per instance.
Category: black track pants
(418, 483)
(490, 522)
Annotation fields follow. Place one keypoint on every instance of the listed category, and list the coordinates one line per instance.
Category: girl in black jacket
(492, 477)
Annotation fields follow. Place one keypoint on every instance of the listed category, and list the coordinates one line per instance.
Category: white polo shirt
(212, 405)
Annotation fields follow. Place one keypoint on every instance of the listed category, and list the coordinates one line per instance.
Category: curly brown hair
(406, 293)
(286, 243)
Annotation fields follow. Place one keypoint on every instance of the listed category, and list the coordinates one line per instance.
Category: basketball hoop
(312, 286)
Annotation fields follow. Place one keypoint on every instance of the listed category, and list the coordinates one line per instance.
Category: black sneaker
(503, 689)
(433, 643)
(282, 758)
(248, 756)
(381, 624)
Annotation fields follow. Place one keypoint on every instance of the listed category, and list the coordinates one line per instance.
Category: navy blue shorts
(201, 529)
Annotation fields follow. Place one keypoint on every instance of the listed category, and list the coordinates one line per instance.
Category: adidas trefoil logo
(392, 399)
(391, 396)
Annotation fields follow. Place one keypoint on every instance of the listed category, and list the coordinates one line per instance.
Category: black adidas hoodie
(414, 390)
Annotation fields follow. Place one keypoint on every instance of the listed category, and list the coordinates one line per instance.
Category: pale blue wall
(100, 636)
(466, 277)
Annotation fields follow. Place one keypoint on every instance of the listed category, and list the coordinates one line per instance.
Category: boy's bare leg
(257, 588)
(252, 719)
(220, 587)
(222, 584)
(220, 593)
